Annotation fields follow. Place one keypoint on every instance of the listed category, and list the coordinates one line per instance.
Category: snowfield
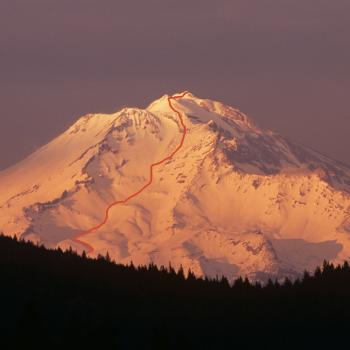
(234, 200)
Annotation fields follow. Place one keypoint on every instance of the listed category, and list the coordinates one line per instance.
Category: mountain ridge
(77, 238)
(235, 200)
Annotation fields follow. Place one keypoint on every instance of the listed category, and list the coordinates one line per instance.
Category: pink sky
(284, 63)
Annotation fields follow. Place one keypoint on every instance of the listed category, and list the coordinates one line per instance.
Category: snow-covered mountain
(234, 200)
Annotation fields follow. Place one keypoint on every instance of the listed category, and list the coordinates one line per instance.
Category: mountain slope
(235, 199)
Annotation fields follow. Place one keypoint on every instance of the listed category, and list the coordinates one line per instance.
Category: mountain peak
(203, 110)
(232, 200)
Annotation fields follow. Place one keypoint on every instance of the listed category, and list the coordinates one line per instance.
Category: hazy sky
(286, 63)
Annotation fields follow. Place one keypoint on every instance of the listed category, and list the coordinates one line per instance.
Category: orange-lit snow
(234, 200)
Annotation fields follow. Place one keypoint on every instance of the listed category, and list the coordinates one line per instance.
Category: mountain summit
(234, 200)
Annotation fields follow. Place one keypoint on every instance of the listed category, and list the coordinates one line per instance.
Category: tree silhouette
(51, 298)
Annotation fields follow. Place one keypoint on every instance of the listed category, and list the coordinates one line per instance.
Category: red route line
(78, 237)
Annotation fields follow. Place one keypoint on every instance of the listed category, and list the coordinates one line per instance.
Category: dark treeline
(53, 299)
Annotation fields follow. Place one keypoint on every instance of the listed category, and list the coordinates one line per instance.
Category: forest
(52, 299)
